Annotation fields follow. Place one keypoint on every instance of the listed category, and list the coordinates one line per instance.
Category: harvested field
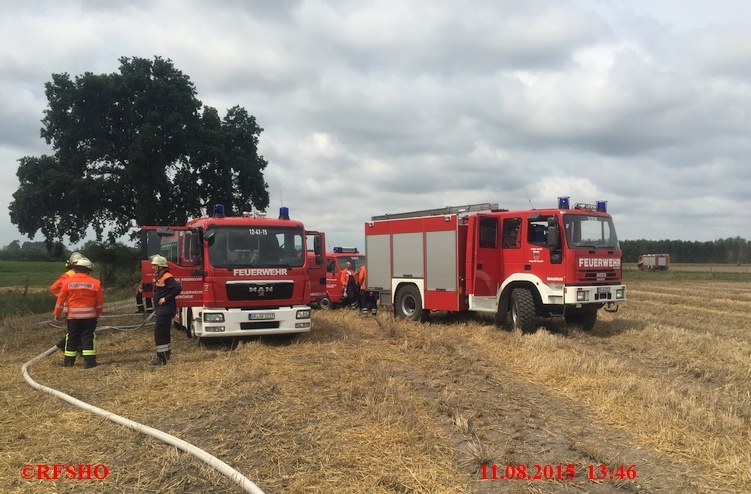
(378, 405)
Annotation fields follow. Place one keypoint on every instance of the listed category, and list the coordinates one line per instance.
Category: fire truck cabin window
(241, 247)
(355, 261)
(488, 233)
(511, 233)
(537, 231)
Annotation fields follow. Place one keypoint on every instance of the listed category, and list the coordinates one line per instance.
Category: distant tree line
(117, 264)
(33, 251)
(724, 251)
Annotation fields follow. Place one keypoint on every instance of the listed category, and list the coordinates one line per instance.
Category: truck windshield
(241, 246)
(584, 231)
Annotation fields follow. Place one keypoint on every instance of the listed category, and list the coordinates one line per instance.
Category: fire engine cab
(241, 276)
(335, 261)
(518, 265)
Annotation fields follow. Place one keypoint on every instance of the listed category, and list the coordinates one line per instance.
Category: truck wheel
(523, 310)
(324, 303)
(501, 317)
(192, 326)
(585, 319)
(408, 303)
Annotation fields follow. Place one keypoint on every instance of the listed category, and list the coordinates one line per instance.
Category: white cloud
(383, 106)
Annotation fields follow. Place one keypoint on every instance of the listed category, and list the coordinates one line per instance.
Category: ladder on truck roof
(469, 208)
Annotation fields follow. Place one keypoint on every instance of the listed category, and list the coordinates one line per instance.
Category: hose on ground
(180, 444)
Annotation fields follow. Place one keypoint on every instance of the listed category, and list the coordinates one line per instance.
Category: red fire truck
(241, 276)
(653, 262)
(518, 265)
(332, 274)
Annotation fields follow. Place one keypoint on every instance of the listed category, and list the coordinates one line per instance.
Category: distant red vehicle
(653, 262)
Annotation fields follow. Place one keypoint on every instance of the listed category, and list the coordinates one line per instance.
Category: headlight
(213, 317)
(581, 296)
(620, 293)
(303, 314)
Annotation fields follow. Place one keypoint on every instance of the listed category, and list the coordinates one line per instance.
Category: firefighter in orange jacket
(166, 289)
(58, 285)
(84, 298)
(367, 298)
(349, 285)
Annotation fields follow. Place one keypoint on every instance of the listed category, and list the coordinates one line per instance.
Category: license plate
(603, 289)
(261, 316)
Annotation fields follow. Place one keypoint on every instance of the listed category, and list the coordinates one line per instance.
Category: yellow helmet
(160, 261)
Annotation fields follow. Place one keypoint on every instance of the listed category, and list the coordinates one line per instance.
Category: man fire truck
(518, 265)
(241, 276)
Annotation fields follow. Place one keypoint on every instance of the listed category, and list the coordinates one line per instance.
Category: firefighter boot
(161, 359)
(67, 362)
(89, 362)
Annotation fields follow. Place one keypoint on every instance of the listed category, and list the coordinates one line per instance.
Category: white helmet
(84, 263)
(75, 257)
(160, 261)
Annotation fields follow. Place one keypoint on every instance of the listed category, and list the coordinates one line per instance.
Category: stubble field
(377, 405)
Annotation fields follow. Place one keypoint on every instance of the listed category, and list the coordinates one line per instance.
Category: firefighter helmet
(75, 257)
(84, 263)
(160, 261)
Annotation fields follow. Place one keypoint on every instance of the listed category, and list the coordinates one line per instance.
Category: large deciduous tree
(134, 148)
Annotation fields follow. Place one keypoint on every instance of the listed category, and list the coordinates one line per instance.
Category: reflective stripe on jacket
(83, 295)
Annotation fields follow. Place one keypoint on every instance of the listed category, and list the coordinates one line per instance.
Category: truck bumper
(597, 294)
(223, 323)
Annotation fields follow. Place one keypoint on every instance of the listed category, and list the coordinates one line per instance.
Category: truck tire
(585, 319)
(408, 303)
(523, 311)
(324, 303)
(192, 328)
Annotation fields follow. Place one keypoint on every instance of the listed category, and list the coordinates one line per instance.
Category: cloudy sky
(382, 106)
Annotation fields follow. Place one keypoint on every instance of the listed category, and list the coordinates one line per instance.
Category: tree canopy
(134, 148)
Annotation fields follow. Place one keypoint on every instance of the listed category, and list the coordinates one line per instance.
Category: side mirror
(210, 238)
(553, 234)
(317, 247)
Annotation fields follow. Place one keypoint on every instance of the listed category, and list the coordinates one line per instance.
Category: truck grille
(597, 276)
(260, 291)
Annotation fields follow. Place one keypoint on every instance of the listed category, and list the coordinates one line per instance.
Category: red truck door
(316, 266)
(486, 255)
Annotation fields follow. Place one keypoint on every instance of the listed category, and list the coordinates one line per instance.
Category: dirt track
(366, 405)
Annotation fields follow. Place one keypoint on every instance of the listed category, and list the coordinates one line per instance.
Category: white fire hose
(185, 446)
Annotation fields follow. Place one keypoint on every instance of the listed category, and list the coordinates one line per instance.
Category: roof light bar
(345, 250)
